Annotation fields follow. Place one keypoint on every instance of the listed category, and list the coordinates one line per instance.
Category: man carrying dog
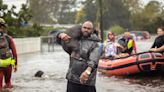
(81, 43)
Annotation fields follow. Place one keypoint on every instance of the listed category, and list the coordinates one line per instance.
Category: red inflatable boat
(143, 62)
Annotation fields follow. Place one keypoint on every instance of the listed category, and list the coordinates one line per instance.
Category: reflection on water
(55, 64)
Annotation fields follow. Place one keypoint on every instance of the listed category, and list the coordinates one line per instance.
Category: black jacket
(159, 41)
(124, 43)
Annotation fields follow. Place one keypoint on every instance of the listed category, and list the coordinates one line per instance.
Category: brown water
(55, 64)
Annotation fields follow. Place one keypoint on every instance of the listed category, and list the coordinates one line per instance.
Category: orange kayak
(143, 62)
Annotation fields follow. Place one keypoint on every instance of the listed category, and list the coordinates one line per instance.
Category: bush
(28, 31)
(116, 29)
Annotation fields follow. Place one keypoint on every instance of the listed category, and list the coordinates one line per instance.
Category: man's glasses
(87, 28)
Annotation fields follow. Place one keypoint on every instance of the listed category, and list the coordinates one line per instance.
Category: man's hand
(119, 46)
(64, 37)
(15, 69)
(85, 75)
(157, 49)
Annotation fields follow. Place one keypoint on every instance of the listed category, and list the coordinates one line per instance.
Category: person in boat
(81, 43)
(127, 44)
(110, 47)
(8, 56)
(158, 45)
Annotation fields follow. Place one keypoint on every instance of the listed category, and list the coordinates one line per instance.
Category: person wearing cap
(8, 56)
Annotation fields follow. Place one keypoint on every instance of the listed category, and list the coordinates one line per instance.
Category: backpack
(4, 46)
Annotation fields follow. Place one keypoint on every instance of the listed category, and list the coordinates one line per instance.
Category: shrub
(116, 29)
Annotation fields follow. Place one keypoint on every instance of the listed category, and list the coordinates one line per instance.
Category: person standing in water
(84, 56)
(8, 56)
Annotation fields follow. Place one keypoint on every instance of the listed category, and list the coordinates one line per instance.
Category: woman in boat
(158, 45)
(110, 47)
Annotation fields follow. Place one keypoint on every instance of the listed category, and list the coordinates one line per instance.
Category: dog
(39, 73)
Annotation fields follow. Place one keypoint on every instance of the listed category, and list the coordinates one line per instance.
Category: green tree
(52, 11)
(24, 15)
(18, 21)
(3, 8)
(152, 26)
(148, 17)
(111, 16)
(115, 13)
(134, 6)
(80, 15)
(135, 9)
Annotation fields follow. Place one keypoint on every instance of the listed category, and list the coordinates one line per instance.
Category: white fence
(36, 44)
(27, 45)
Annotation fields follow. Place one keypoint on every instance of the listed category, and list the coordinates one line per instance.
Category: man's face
(87, 29)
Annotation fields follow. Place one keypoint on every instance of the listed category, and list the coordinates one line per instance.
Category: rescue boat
(142, 62)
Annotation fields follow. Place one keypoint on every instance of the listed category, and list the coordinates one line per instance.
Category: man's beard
(86, 34)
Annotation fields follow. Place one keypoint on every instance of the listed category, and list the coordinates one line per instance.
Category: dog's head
(39, 73)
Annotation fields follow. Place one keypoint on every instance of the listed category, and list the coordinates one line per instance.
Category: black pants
(73, 87)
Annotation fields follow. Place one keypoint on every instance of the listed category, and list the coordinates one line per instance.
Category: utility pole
(101, 20)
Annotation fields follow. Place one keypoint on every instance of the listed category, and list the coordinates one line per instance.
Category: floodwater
(55, 65)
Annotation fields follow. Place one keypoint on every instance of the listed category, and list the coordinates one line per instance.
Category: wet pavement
(55, 65)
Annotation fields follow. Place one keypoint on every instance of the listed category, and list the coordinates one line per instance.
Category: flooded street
(32, 32)
(55, 65)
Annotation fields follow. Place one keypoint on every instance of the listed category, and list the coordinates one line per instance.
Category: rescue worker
(81, 43)
(8, 56)
(127, 44)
